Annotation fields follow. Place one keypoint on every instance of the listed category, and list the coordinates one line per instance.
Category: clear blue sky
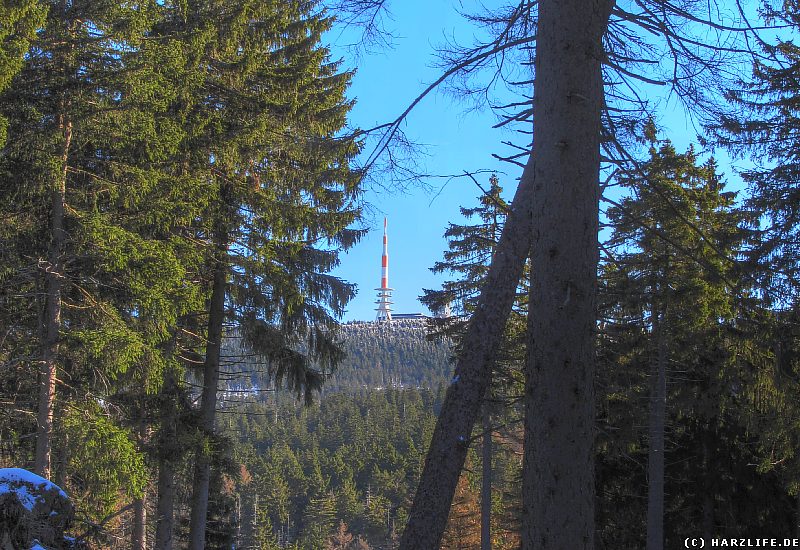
(386, 81)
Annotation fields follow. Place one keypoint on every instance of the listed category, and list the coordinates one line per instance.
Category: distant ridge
(379, 355)
(399, 354)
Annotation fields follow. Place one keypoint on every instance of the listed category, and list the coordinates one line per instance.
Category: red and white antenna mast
(384, 300)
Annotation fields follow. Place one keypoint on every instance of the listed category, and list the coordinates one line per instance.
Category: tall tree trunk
(462, 403)
(558, 466)
(486, 481)
(139, 535)
(655, 455)
(165, 506)
(797, 515)
(254, 528)
(208, 402)
(708, 483)
(238, 518)
(54, 274)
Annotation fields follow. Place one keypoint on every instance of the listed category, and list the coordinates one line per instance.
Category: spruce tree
(470, 252)
(674, 283)
(19, 20)
(70, 190)
(98, 225)
(764, 129)
(269, 112)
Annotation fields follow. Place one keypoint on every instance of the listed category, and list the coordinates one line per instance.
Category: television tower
(384, 300)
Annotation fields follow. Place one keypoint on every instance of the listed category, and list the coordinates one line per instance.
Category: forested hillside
(397, 354)
(351, 459)
(400, 354)
(346, 469)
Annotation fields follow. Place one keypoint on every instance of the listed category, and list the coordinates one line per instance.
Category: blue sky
(385, 83)
(456, 139)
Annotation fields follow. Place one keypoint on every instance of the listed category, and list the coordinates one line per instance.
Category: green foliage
(185, 138)
(470, 250)
(354, 457)
(672, 264)
(375, 356)
(763, 127)
(19, 20)
(103, 462)
(140, 117)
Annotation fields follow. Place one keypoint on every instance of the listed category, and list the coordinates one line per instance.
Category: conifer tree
(764, 128)
(73, 188)
(470, 252)
(673, 282)
(19, 20)
(597, 53)
(89, 116)
(340, 540)
(269, 114)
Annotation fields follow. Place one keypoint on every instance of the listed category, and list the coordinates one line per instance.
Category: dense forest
(345, 468)
(180, 179)
(376, 356)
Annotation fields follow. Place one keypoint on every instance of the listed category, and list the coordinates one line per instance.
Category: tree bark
(238, 517)
(655, 455)
(54, 274)
(486, 481)
(558, 464)
(248, 517)
(165, 523)
(208, 402)
(797, 516)
(165, 506)
(708, 484)
(462, 402)
(139, 535)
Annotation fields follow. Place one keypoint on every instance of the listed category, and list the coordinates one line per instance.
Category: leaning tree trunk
(208, 403)
(462, 402)
(54, 275)
(655, 454)
(558, 466)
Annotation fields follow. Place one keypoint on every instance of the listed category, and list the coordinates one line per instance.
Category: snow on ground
(19, 481)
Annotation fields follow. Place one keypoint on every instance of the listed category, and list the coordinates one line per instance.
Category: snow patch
(19, 481)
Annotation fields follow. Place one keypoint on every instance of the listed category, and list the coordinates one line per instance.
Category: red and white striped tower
(384, 300)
